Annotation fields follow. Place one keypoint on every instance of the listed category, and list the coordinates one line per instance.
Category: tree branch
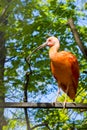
(27, 119)
(43, 124)
(26, 86)
(4, 16)
(9, 59)
(43, 105)
(77, 38)
(85, 72)
(26, 99)
(4, 11)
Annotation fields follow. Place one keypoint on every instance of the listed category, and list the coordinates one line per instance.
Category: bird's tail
(72, 90)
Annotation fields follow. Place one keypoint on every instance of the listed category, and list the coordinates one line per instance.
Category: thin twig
(26, 86)
(85, 72)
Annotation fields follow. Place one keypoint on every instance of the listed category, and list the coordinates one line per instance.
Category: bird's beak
(40, 47)
(36, 49)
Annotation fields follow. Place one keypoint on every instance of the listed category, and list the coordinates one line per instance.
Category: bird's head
(51, 41)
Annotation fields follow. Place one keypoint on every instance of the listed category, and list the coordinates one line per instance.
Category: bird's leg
(74, 102)
(57, 96)
(58, 93)
(64, 104)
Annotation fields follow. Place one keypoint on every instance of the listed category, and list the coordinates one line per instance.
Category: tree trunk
(2, 88)
(3, 22)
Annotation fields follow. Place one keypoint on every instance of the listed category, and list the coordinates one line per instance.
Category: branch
(9, 59)
(85, 72)
(43, 124)
(26, 86)
(3, 15)
(4, 11)
(27, 119)
(26, 99)
(77, 38)
(43, 105)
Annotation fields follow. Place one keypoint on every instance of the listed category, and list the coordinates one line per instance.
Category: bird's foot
(56, 101)
(74, 103)
(64, 104)
(53, 103)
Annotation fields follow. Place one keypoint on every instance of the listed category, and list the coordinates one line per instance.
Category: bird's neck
(53, 52)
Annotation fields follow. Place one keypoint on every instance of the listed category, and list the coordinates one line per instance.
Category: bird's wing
(74, 67)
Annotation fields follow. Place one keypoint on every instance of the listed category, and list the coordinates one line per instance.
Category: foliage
(29, 24)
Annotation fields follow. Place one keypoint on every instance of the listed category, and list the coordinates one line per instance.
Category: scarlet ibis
(64, 67)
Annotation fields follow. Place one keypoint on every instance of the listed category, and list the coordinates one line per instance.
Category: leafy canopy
(29, 24)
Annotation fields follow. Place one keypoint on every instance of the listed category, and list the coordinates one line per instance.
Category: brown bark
(3, 22)
(77, 37)
(26, 100)
(2, 88)
(58, 105)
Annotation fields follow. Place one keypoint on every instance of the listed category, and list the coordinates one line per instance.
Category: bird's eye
(49, 40)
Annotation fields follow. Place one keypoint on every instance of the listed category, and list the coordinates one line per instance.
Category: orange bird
(64, 67)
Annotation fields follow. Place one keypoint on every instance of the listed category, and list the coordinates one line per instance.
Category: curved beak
(36, 49)
(40, 47)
